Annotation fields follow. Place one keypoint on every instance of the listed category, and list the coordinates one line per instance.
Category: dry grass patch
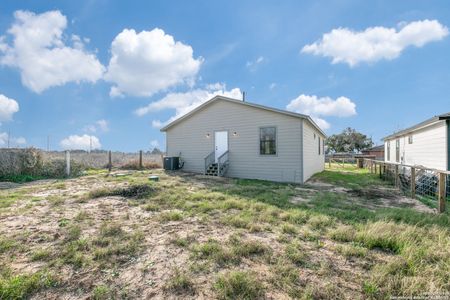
(239, 285)
(180, 283)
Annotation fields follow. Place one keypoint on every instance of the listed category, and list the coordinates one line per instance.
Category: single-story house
(377, 151)
(425, 144)
(229, 137)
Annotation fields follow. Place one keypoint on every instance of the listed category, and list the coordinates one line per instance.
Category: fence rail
(429, 185)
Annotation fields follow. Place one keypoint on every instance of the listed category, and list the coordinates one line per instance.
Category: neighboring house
(426, 144)
(229, 137)
(377, 151)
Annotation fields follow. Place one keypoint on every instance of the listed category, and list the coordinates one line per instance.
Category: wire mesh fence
(100, 159)
(428, 185)
(31, 162)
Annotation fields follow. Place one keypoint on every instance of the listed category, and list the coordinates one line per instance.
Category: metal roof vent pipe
(243, 96)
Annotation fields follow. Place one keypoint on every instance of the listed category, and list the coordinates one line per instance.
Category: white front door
(220, 143)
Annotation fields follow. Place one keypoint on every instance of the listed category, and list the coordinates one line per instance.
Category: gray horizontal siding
(189, 138)
(313, 162)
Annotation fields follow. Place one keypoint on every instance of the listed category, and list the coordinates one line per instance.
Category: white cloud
(317, 107)
(39, 51)
(103, 125)
(157, 124)
(183, 103)
(20, 141)
(3, 138)
(13, 141)
(375, 43)
(323, 106)
(272, 85)
(80, 142)
(154, 144)
(8, 107)
(324, 125)
(149, 61)
(100, 125)
(252, 65)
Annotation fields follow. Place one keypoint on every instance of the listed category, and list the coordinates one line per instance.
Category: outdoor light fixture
(235, 133)
(207, 135)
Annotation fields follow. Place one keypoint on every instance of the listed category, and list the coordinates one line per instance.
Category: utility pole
(48, 143)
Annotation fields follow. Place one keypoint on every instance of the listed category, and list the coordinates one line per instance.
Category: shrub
(57, 168)
(137, 191)
(22, 165)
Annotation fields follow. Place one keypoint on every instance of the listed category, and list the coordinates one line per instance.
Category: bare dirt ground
(183, 236)
(376, 196)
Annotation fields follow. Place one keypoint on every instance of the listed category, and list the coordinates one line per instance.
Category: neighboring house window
(397, 150)
(268, 141)
(388, 150)
(319, 145)
(410, 139)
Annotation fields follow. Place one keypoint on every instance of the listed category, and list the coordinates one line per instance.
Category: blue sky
(118, 70)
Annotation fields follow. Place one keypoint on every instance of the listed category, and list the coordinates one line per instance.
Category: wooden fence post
(109, 161)
(140, 159)
(413, 182)
(67, 163)
(441, 196)
(380, 169)
(396, 175)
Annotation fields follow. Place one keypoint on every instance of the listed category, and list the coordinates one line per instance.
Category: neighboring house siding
(189, 138)
(429, 147)
(448, 145)
(313, 162)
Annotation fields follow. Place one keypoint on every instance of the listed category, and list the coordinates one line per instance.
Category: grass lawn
(344, 234)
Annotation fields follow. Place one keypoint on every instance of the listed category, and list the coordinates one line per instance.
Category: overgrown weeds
(24, 285)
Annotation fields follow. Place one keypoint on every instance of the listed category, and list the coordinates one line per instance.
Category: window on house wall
(397, 150)
(410, 139)
(319, 145)
(268, 141)
(388, 150)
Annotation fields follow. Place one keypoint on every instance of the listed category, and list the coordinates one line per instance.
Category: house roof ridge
(238, 101)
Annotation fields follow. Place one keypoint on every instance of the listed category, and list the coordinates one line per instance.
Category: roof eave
(414, 128)
(293, 114)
